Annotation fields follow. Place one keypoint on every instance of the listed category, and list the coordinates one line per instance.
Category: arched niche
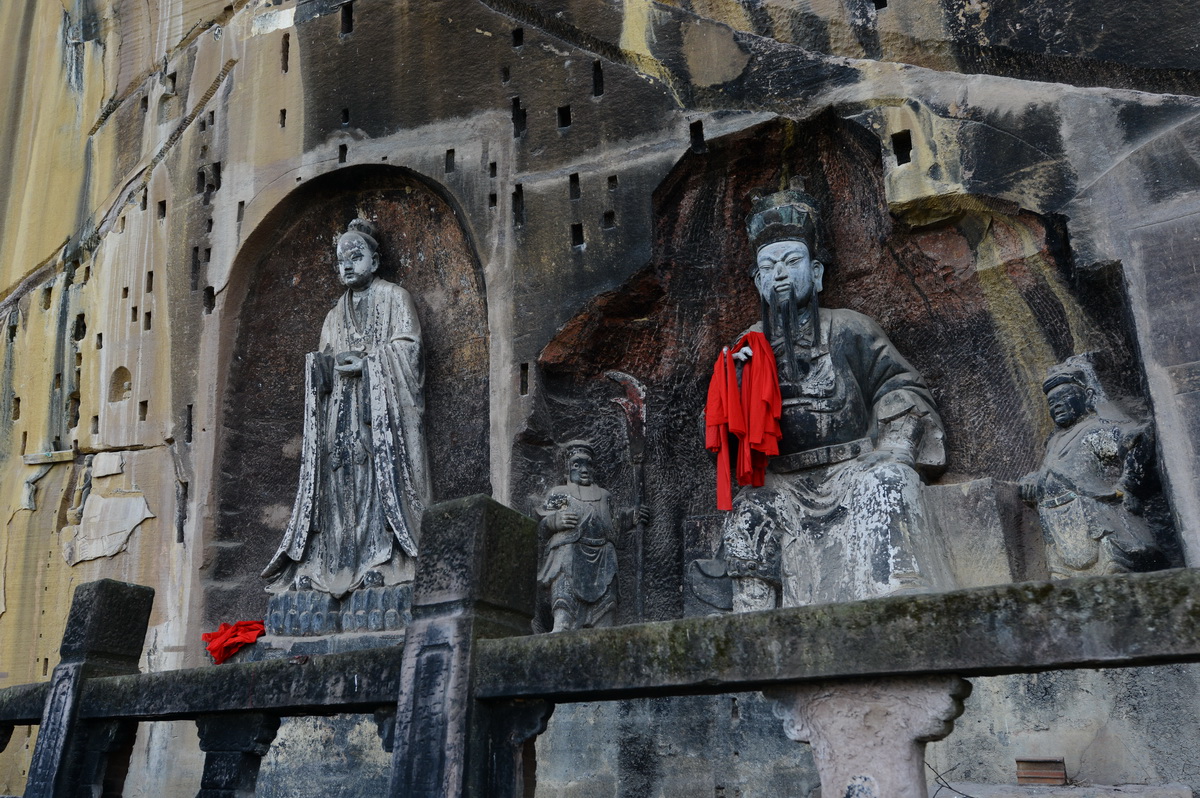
(282, 285)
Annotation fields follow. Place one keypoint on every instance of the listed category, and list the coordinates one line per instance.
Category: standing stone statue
(363, 474)
(1094, 480)
(840, 515)
(580, 564)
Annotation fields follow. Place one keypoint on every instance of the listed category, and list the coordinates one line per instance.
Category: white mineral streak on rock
(272, 21)
(108, 522)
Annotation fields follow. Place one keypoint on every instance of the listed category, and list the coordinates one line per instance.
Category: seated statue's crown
(788, 215)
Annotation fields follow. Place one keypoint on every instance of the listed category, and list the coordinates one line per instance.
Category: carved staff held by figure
(634, 405)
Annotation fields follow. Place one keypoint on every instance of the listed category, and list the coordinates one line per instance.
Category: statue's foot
(373, 579)
(304, 583)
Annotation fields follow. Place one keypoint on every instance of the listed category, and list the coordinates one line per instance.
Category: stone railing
(459, 701)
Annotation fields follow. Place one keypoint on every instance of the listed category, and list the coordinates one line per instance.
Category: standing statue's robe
(364, 470)
(1080, 487)
(580, 565)
(835, 520)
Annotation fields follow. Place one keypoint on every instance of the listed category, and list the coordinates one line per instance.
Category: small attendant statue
(1094, 480)
(580, 564)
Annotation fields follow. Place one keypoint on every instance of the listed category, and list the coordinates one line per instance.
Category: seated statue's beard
(782, 314)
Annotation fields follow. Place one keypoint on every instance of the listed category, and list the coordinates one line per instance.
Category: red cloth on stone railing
(230, 638)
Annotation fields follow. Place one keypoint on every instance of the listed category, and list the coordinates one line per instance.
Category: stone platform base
(1095, 791)
(311, 613)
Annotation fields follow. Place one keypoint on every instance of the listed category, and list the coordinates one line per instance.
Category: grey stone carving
(840, 515)
(578, 523)
(1097, 473)
(364, 471)
(868, 737)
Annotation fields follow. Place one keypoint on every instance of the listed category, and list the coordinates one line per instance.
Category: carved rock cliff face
(981, 303)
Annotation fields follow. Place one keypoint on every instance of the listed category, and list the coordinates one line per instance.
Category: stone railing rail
(459, 702)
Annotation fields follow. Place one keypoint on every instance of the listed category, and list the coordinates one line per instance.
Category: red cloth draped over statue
(750, 413)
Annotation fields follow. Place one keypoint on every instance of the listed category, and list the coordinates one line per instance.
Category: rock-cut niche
(288, 287)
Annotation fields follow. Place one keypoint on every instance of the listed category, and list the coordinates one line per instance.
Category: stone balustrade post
(475, 579)
(868, 737)
(233, 747)
(105, 630)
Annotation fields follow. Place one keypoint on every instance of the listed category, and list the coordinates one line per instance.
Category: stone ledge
(959, 789)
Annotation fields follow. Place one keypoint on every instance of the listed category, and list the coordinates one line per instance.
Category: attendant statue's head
(1070, 392)
(579, 462)
(784, 232)
(357, 255)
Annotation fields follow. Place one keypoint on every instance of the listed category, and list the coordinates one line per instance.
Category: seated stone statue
(840, 515)
(363, 472)
(578, 523)
(1094, 479)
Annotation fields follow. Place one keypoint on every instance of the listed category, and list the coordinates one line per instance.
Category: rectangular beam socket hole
(577, 234)
(597, 79)
(143, 409)
(283, 117)
(697, 135)
(162, 209)
(284, 48)
(518, 205)
(210, 300)
(902, 146)
(449, 161)
(564, 116)
(518, 37)
(573, 186)
(343, 151)
(347, 18)
(524, 379)
(609, 221)
(518, 118)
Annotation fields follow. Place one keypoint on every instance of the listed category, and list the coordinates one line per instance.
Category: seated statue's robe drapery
(835, 519)
(364, 471)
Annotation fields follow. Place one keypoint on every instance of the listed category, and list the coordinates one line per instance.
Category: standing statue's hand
(566, 519)
(743, 354)
(348, 363)
(645, 515)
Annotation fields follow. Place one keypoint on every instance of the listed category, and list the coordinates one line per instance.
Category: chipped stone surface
(107, 523)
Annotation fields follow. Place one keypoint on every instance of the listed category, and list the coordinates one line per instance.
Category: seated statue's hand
(743, 354)
(1027, 488)
(348, 363)
(881, 456)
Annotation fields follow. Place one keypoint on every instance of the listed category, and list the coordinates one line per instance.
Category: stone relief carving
(364, 474)
(839, 514)
(1097, 473)
(579, 523)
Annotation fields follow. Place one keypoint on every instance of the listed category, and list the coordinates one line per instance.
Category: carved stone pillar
(475, 579)
(233, 747)
(868, 737)
(103, 637)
